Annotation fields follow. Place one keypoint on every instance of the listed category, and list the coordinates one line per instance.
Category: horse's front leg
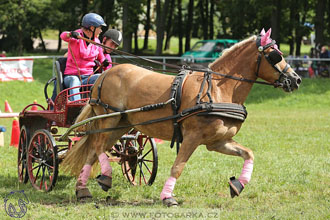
(231, 147)
(188, 146)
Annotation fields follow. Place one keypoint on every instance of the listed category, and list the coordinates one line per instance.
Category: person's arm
(108, 57)
(100, 56)
(67, 35)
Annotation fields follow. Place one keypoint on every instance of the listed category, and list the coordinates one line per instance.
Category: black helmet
(114, 35)
(92, 19)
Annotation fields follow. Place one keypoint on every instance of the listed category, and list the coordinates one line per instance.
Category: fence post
(164, 66)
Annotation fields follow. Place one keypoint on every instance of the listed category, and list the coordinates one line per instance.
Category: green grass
(289, 134)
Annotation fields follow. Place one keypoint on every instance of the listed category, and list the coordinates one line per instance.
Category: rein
(208, 71)
(228, 110)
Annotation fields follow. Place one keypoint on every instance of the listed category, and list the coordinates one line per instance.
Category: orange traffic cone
(7, 107)
(15, 133)
(34, 107)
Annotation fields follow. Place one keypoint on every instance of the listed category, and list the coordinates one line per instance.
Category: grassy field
(290, 137)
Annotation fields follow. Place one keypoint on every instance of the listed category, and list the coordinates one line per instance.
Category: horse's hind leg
(106, 140)
(188, 146)
(82, 191)
(231, 147)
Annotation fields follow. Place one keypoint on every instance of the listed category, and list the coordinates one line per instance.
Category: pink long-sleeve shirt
(108, 57)
(83, 54)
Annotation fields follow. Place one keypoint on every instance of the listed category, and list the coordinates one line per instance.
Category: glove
(106, 63)
(74, 34)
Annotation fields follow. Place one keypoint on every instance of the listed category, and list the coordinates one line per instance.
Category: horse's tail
(86, 112)
(76, 157)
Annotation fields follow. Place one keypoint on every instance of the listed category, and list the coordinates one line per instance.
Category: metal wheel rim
(42, 161)
(21, 157)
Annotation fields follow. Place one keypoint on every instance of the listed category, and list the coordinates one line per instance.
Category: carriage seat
(60, 65)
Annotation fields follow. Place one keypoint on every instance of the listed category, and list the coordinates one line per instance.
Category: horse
(229, 80)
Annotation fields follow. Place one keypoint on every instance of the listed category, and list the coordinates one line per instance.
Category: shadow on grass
(58, 195)
(63, 194)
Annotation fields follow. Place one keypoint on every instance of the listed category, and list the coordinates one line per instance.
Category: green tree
(21, 21)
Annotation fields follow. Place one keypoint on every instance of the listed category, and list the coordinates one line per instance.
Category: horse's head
(271, 65)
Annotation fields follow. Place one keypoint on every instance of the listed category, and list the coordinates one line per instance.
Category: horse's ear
(269, 32)
(262, 32)
(265, 39)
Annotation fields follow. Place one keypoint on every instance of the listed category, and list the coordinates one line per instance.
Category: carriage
(196, 107)
(40, 152)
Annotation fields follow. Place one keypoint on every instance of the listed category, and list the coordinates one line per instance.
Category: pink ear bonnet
(265, 39)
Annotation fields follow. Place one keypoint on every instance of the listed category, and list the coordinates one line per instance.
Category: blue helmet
(92, 19)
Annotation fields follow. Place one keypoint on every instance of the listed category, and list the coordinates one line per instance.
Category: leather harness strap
(176, 94)
(232, 110)
(228, 110)
(98, 101)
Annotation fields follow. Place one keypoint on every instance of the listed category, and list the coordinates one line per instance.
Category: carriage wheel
(42, 162)
(21, 155)
(142, 168)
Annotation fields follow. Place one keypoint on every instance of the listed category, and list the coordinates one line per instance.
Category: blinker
(274, 57)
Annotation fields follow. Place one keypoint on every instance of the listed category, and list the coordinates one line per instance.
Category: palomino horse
(127, 86)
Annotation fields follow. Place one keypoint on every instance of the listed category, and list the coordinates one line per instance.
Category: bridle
(273, 58)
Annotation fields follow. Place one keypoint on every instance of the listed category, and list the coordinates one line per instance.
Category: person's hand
(74, 34)
(106, 63)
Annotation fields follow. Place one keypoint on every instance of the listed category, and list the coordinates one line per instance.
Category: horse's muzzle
(289, 82)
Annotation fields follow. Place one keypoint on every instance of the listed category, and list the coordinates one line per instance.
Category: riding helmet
(114, 35)
(92, 19)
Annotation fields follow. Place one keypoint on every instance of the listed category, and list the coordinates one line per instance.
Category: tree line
(22, 21)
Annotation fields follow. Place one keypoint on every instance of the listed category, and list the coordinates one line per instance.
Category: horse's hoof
(235, 186)
(83, 194)
(170, 202)
(104, 181)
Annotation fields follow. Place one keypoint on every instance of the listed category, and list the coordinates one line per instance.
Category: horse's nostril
(299, 81)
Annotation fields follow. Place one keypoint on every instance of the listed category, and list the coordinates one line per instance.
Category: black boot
(104, 181)
(235, 187)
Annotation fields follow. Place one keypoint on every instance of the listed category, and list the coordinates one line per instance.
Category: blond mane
(236, 47)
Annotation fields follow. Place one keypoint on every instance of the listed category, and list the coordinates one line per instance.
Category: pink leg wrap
(105, 165)
(245, 176)
(83, 177)
(168, 188)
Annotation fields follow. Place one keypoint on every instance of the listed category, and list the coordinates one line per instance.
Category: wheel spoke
(141, 173)
(42, 177)
(37, 160)
(146, 167)
(145, 142)
(47, 165)
(50, 175)
(39, 165)
(46, 187)
(36, 177)
(146, 153)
